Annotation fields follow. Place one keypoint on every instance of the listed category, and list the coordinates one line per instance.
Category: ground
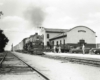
(13, 69)
(61, 70)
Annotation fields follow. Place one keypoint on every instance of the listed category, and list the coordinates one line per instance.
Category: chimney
(36, 33)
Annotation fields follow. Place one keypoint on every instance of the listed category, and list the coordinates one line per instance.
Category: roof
(81, 26)
(56, 30)
(59, 36)
(65, 30)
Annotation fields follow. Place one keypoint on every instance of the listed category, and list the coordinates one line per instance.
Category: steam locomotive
(33, 45)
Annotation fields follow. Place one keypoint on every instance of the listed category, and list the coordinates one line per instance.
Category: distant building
(74, 37)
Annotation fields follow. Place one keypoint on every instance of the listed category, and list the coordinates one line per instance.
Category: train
(35, 45)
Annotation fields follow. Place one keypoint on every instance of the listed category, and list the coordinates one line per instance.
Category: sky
(21, 18)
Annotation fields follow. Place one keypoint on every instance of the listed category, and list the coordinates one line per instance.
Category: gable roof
(55, 30)
(59, 36)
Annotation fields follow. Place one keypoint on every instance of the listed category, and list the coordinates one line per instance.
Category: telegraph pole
(1, 13)
(12, 48)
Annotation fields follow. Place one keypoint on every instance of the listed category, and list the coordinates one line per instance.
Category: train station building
(73, 37)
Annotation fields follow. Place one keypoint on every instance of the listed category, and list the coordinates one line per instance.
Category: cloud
(77, 9)
(1, 4)
(16, 24)
(93, 19)
(13, 19)
(12, 22)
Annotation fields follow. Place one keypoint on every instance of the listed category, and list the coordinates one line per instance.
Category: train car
(19, 47)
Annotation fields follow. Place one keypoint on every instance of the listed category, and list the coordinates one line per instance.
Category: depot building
(74, 37)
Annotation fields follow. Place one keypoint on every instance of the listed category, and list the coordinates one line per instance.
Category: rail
(46, 78)
(1, 61)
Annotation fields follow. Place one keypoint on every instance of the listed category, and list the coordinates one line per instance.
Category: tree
(3, 39)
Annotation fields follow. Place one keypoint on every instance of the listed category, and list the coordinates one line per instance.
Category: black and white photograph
(49, 40)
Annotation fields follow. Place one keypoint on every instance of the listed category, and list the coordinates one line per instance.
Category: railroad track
(42, 75)
(2, 58)
(85, 61)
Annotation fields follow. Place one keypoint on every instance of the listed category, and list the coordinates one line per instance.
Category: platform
(79, 56)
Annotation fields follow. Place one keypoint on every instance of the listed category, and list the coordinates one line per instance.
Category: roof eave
(58, 37)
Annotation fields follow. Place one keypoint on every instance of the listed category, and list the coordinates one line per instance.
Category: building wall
(60, 39)
(73, 36)
(78, 33)
(43, 32)
(51, 35)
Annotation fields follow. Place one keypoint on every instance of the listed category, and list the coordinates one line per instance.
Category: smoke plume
(36, 15)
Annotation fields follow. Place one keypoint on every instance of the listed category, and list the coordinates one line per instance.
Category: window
(47, 35)
(60, 42)
(52, 42)
(57, 43)
(47, 43)
(64, 41)
(82, 31)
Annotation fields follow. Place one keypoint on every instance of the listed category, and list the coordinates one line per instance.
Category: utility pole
(1, 13)
(12, 48)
